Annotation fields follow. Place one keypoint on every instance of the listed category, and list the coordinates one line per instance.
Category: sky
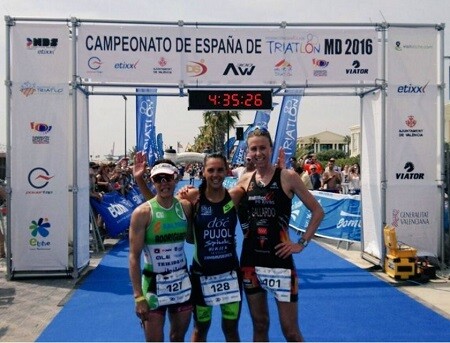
(177, 124)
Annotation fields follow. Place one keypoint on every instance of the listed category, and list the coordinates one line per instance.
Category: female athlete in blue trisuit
(215, 271)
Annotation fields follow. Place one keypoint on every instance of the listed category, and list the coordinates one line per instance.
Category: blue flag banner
(286, 135)
(134, 196)
(115, 211)
(261, 119)
(160, 146)
(342, 220)
(229, 145)
(145, 123)
(239, 154)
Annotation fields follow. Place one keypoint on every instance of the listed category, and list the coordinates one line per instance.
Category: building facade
(323, 141)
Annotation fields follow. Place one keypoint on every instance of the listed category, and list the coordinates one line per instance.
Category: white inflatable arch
(185, 157)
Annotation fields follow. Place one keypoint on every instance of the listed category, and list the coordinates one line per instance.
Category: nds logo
(412, 89)
(356, 69)
(196, 69)
(409, 173)
(39, 229)
(42, 45)
(240, 69)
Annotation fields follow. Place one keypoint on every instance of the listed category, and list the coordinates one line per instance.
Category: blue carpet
(338, 302)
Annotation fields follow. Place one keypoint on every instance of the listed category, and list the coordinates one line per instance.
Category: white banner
(413, 203)
(82, 169)
(371, 165)
(40, 53)
(201, 56)
(39, 181)
(40, 107)
(415, 213)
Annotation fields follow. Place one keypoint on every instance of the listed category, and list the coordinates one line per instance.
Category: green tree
(215, 131)
(347, 141)
(313, 141)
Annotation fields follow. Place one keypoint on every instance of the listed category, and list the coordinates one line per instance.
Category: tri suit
(165, 280)
(215, 271)
(268, 211)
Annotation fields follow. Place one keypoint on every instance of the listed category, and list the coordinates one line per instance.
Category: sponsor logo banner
(238, 56)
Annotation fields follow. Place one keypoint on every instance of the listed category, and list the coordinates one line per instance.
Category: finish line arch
(185, 157)
(51, 188)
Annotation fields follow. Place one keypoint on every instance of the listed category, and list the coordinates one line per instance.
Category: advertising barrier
(342, 219)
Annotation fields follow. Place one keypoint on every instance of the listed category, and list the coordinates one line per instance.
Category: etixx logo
(412, 89)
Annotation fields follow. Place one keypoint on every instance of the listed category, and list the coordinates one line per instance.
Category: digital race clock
(230, 100)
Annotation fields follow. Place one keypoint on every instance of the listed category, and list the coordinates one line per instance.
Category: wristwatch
(303, 242)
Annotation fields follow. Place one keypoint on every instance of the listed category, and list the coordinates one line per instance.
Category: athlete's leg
(288, 314)
(230, 320)
(179, 324)
(259, 311)
(202, 318)
(230, 330)
(154, 327)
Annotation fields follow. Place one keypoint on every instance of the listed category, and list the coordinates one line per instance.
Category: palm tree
(347, 141)
(218, 124)
(312, 143)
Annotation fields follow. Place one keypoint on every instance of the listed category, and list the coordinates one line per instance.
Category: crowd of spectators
(343, 179)
(117, 176)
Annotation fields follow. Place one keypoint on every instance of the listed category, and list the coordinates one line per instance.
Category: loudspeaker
(239, 133)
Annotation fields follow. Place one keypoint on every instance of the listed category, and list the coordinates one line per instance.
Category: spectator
(191, 172)
(345, 173)
(103, 179)
(237, 171)
(247, 167)
(354, 186)
(95, 194)
(315, 161)
(292, 162)
(305, 177)
(315, 177)
(331, 179)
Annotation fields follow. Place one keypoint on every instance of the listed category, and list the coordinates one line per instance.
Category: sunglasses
(261, 129)
(163, 177)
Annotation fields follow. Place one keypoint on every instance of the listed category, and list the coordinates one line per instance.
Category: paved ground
(27, 306)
